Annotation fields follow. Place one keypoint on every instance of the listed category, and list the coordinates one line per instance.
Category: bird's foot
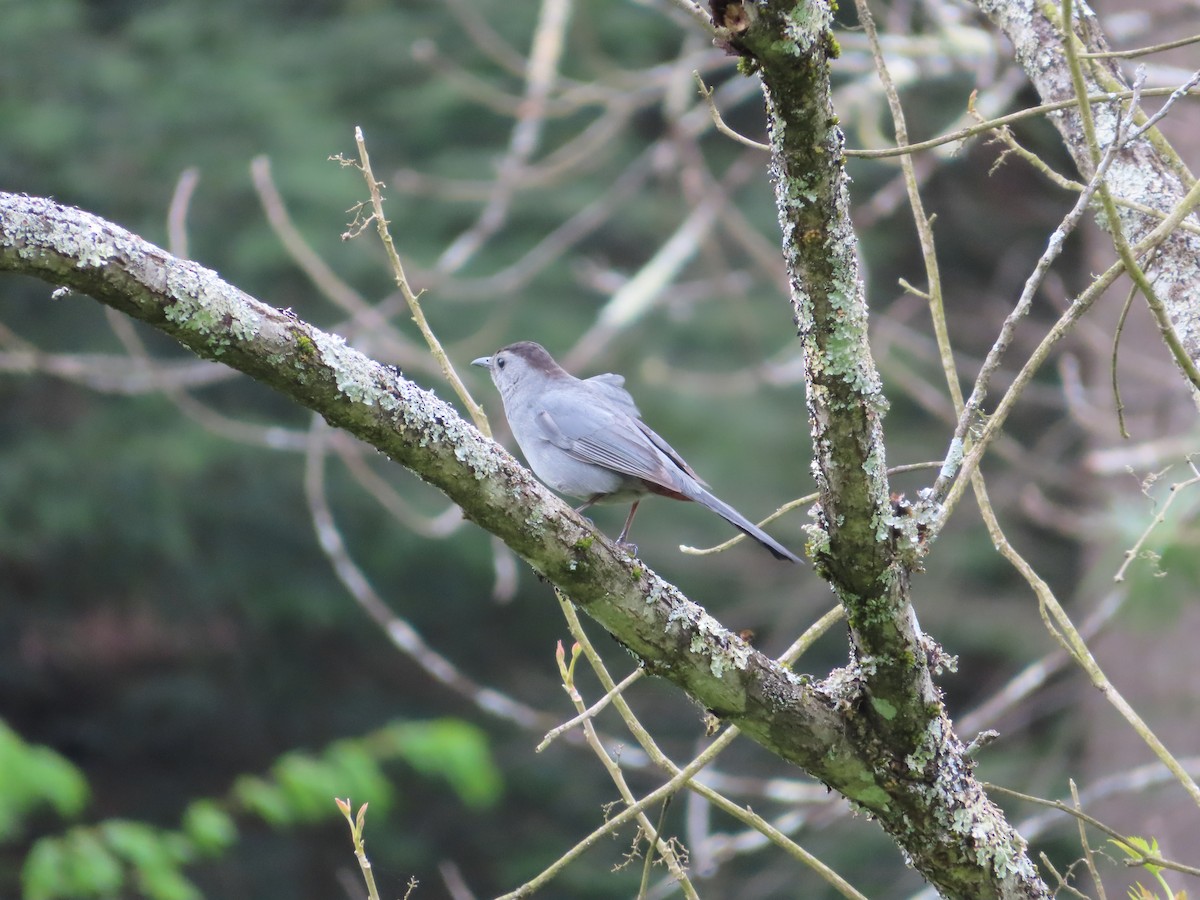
(628, 546)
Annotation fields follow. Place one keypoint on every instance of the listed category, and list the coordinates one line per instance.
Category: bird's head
(518, 364)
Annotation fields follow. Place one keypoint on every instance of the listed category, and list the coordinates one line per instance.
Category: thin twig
(634, 300)
(1176, 490)
(1088, 857)
(1060, 627)
(806, 500)
(367, 319)
(592, 711)
(352, 454)
(924, 226)
(670, 857)
(699, 16)
(633, 809)
(652, 841)
(1038, 673)
(476, 411)
(1141, 51)
(972, 130)
(541, 74)
(1116, 383)
(1176, 95)
(1069, 810)
(1005, 135)
(943, 486)
(707, 93)
(177, 212)
(399, 631)
(1165, 327)
(358, 824)
(1048, 605)
(710, 753)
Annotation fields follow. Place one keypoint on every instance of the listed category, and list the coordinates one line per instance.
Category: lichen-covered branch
(790, 46)
(793, 717)
(1147, 172)
(931, 802)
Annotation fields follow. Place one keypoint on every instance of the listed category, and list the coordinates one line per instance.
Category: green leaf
(62, 785)
(307, 783)
(32, 776)
(454, 750)
(96, 871)
(360, 775)
(266, 800)
(155, 857)
(42, 875)
(141, 844)
(167, 883)
(210, 828)
(77, 865)
(1135, 846)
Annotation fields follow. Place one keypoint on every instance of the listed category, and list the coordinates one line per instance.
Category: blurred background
(188, 676)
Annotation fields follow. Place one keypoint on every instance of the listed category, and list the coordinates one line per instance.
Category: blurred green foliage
(33, 777)
(116, 856)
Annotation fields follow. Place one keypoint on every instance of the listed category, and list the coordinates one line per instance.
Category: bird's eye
(500, 362)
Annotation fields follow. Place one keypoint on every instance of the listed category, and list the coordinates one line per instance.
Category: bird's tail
(742, 524)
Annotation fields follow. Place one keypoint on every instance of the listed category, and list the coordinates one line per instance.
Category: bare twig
(1088, 857)
(1134, 552)
(1072, 810)
(1176, 95)
(799, 502)
(684, 775)
(1141, 51)
(719, 122)
(399, 631)
(611, 766)
(945, 488)
(367, 320)
(973, 130)
(592, 711)
(1124, 133)
(177, 212)
(474, 409)
(540, 74)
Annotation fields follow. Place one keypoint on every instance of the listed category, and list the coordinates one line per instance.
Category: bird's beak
(483, 361)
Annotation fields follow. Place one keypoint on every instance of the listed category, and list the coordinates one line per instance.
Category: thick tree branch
(676, 638)
(845, 398)
(934, 808)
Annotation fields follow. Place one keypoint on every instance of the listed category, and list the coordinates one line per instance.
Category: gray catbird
(585, 438)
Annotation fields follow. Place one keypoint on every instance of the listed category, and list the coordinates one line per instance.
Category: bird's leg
(585, 504)
(588, 502)
(621, 542)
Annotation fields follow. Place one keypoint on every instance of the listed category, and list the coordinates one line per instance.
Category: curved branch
(674, 636)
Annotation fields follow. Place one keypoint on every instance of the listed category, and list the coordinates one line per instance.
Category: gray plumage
(585, 438)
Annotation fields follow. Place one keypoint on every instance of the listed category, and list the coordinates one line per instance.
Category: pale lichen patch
(353, 373)
(724, 650)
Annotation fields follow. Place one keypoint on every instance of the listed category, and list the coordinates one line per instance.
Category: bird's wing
(603, 435)
(667, 449)
(613, 387)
